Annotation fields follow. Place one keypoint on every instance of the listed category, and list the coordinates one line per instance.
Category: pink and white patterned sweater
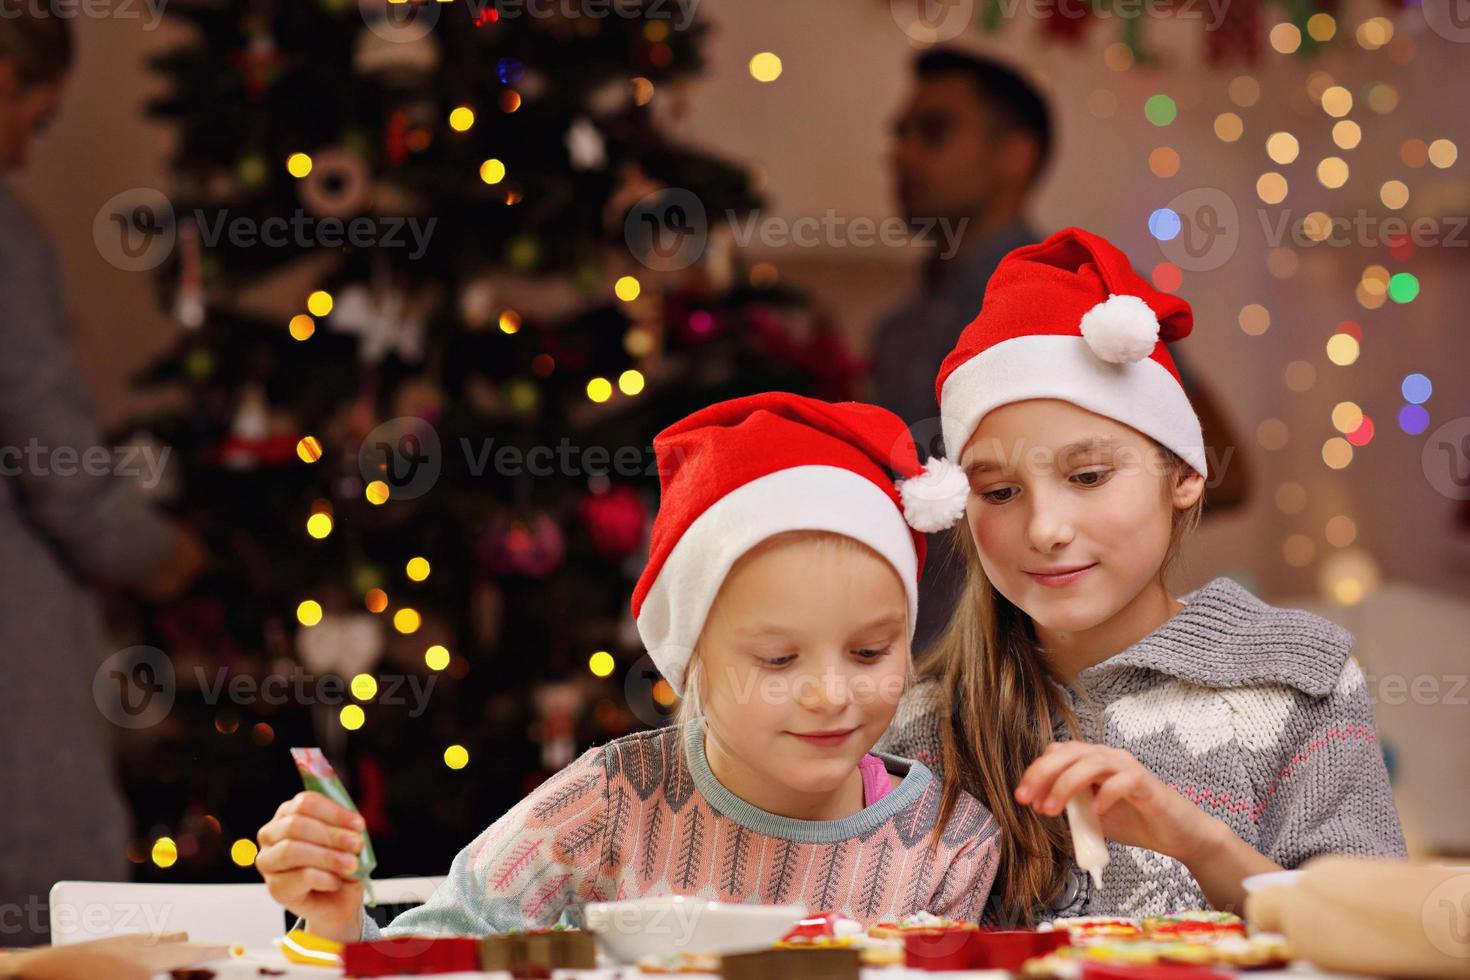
(643, 815)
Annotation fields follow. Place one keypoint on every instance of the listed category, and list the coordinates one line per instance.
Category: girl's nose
(822, 691)
(1050, 526)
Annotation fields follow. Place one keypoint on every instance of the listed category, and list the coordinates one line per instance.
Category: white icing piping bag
(1087, 835)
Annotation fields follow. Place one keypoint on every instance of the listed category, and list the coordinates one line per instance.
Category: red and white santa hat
(1068, 318)
(741, 471)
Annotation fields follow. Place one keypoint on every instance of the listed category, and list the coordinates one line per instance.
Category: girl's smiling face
(809, 636)
(1058, 489)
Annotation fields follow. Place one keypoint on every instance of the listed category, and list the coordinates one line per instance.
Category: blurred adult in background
(64, 529)
(969, 146)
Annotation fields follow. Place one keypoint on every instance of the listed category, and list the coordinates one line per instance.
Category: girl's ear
(1187, 489)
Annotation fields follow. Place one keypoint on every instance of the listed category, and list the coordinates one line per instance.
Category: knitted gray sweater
(1256, 714)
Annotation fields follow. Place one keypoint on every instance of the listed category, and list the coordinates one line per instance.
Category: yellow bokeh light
(320, 302)
(1118, 56)
(1346, 417)
(302, 327)
(417, 568)
(1443, 153)
(309, 449)
(1229, 127)
(376, 493)
(765, 67)
(376, 600)
(461, 118)
(1337, 452)
(319, 525)
(243, 852)
(1375, 32)
(1342, 349)
(1271, 187)
(1321, 26)
(1286, 38)
(627, 288)
(630, 382)
(510, 322)
(407, 620)
(437, 657)
(165, 852)
(663, 692)
(309, 612)
(1332, 172)
(1317, 226)
(456, 757)
(1255, 319)
(351, 716)
(1346, 134)
(1282, 147)
(1341, 531)
(1394, 194)
(601, 663)
(298, 165)
(1298, 550)
(599, 390)
(1337, 101)
(1291, 497)
(1245, 91)
(492, 171)
(364, 687)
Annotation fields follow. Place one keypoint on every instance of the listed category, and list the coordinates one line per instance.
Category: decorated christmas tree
(440, 273)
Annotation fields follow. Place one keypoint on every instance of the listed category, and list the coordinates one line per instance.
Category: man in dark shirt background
(968, 149)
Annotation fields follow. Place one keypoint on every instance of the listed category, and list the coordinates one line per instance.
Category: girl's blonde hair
(691, 705)
(1008, 689)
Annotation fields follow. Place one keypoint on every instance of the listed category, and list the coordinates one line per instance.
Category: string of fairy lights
(1347, 574)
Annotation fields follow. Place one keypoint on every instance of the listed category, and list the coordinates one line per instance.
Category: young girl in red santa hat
(779, 600)
(1214, 736)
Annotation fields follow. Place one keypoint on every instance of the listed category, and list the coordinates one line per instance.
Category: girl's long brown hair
(1002, 708)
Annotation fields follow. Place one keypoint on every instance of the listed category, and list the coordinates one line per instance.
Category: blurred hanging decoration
(615, 519)
(440, 200)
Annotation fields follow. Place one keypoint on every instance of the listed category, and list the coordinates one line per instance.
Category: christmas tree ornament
(616, 520)
(189, 297)
(345, 644)
(531, 545)
(396, 54)
(585, 146)
(383, 322)
(340, 185)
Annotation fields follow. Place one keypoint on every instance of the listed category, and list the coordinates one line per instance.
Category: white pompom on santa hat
(1068, 318)
(741, 471)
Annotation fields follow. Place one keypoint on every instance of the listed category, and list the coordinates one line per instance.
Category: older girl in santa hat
(1214, 736)
(779, 600)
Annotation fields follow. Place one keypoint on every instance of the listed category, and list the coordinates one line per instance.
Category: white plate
(674, 923)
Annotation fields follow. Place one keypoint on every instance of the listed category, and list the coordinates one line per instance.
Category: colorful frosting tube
(319, 777)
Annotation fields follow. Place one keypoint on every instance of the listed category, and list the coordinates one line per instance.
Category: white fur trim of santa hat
(1142, 393)
(800, 498)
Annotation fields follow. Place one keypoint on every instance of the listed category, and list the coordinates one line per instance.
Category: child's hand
(1134, 806)
(308, 852)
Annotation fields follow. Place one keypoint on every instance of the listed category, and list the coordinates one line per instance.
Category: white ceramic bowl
(674, 923)
(1271, 879)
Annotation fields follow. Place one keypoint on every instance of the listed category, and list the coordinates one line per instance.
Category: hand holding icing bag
(319, 777)
(1087, 836)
